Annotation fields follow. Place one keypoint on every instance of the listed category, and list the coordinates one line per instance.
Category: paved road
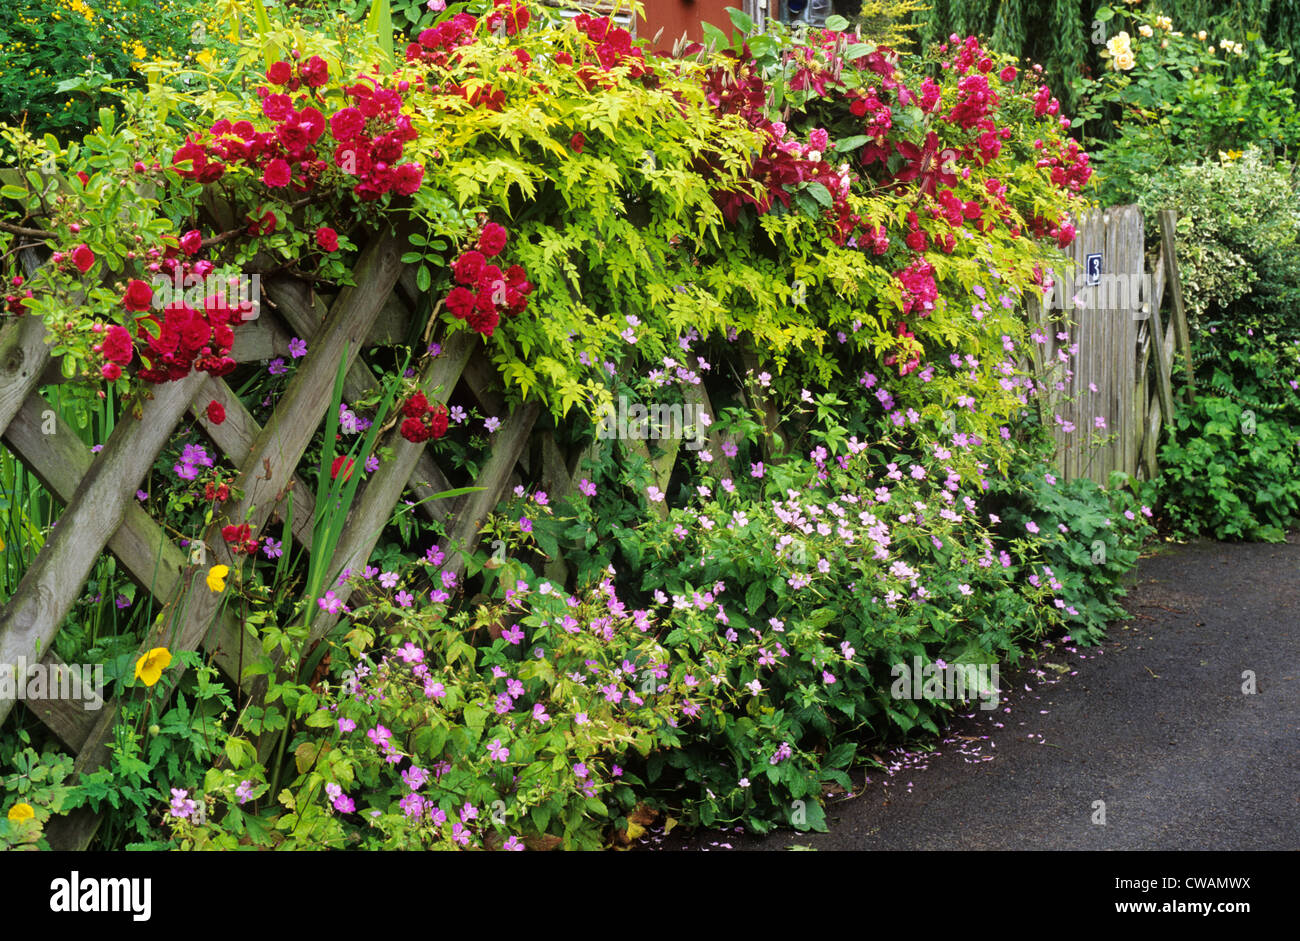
(1154, 723)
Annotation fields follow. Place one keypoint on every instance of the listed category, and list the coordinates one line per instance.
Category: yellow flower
(139, 50)
(217, 577)
(20, 812)
(1124, 61)
(148, 668)
(1146, 31)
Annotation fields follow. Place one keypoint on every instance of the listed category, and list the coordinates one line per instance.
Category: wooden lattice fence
(101, 512)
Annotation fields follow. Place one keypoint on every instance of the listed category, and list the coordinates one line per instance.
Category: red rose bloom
(110, 371)
(276, 173)
(117, 345)
(341, 463)
(415, 406)
(83, 257)
(438, 421)
(468, 267)
(347, 124)
(413, 430)
(577, 141)
(216, 412)
(191, 242)
(327, 239)
(407, 178)
(315, 72)
(460, 302)
(278, 73)
(492, 240)
(81, 175)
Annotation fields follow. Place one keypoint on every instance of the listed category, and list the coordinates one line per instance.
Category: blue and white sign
(1092, 272)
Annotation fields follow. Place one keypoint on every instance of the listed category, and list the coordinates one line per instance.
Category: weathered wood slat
(375, 499)
(473, 509)
(23, 358)
(305, 312)
(1170, 249)
(153, 560)
(52, 583)
(235, 437)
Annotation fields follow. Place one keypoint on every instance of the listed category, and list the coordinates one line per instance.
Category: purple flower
(492, 424)
(756, 470)
(141, 495)
(412, 804)
(122, 601)
(271, 548)
(404, 598)
(277, 367)
(498, 751)
(525, 524)
(186, 471)
(297, 347)
(513, 845)
(514, 634)
(539, 713)
(388, 579)
(182, 807)
(1032, 526)
(587, 487)
(346, 724)
(330, 603)
(244, 792)
(372, 464)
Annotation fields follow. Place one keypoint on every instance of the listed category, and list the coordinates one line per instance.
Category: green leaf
(850, 143)
(475, 717)
(820, 193)
(837, 23)
(740, 20)
(380, 25)
(715, 36)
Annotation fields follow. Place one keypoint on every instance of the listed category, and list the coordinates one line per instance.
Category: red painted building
(671, 19)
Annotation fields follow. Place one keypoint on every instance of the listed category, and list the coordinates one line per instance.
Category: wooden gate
(1108, 347)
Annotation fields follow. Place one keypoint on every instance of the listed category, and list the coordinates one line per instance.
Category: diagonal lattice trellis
(101, 514)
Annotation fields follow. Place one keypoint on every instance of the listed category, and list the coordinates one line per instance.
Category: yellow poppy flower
(148, 668)
(217, 577)
(20, 812)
